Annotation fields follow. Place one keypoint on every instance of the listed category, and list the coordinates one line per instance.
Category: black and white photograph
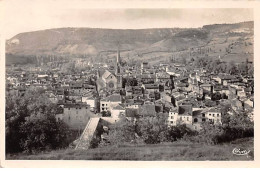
(127, 84)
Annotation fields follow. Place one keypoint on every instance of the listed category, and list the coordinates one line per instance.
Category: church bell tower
(118, 61)
(118, 71)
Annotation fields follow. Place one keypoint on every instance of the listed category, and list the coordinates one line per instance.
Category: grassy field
(177, 151)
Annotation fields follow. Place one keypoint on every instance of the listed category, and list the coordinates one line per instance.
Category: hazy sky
(21, 16)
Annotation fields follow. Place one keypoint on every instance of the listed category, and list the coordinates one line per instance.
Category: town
(111, 91)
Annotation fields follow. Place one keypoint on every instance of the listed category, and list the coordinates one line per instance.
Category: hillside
(136, 44)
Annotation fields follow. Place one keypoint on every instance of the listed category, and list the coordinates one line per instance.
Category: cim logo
(238, 151)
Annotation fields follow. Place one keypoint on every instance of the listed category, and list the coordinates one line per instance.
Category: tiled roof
(214, 110)
(197, 113)
(106, 74)
(100, 82)
(185, 110)
(147, 110)
(113, 98)
(74, 105)
(205, 85)
(118, 107)
(151, 86)
(129, 112)
(174, 109)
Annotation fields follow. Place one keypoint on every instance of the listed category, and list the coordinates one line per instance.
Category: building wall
(172, 118)
(91, 102)
(185, 119)
(104, 106)
(107, 105)
(132, 106)
(214, 117)
(113, 79)
(115, 113)
(76, 118)
(207, 88)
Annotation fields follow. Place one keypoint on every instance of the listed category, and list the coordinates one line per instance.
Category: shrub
(31, 124)
(94, 142)
(43, 133)
(177, 132)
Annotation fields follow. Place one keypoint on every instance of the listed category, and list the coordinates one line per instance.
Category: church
(109, 80)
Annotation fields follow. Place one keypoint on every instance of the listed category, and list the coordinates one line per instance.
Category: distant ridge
(93, 41)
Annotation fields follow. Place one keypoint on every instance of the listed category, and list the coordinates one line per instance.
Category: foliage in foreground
(31, 125)
(153, 130)
(171, 151)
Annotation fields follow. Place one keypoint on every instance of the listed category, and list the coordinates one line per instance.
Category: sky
(24, 16)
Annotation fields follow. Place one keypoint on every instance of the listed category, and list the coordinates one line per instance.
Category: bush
(177, 132)
(216, 134)
(122, 131)
(152, 129)
(94, 142)
(31, 124)
(42, 133)
(106, 113)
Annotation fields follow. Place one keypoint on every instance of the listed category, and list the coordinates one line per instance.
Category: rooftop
(113, 98)
(185, 110)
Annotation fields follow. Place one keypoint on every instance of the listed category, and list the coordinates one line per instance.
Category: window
(187, 118)
(102, 104)
(103, 109)
(171, 122)
(203, 114)
(68, 108)
(210, 114)
(171, 117)
(195, 120)
(80, 108)
(217, 115)
(213, 115)
(203, 119)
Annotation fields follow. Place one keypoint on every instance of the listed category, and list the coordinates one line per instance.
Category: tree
(41, 132)
(174, 133)
(131, 82)
(28, 117)
(183, 60)
(157, 95)
(173, 101)
(153, 129)
(171, 83)
(122, 132)
(124, 81)
(106, 113)
(216, 96)
(232, 68)
(242, 68)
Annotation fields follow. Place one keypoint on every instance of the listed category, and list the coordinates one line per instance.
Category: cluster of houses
(186, 96)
